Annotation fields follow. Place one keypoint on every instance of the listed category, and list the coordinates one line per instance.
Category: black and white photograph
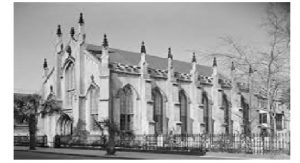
(151, 81)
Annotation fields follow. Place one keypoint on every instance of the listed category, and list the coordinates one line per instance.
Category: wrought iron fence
(24, 141)
(233, 143)
(72, 141)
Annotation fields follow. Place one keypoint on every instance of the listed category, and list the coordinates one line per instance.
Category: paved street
(33, 155)
(55, 153)
(21, 152)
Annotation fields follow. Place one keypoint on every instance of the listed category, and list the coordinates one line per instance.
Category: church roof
(155, 62)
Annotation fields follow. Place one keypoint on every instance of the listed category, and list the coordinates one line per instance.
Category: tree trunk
(32, 132)
(110, 148)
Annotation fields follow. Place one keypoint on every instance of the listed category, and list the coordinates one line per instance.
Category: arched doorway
(64, 125)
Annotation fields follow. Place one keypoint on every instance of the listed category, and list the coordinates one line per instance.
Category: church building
(140, 92)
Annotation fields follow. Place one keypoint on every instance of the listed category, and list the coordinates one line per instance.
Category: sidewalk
(248, 156)
(145, 155)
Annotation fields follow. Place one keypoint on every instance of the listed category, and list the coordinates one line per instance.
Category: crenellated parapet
(123, 68)
(163, 74)
(185, 77)
(205, 80)
(225, 83)
(158, 73)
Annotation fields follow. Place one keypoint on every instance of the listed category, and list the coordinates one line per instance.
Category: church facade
(141, 93)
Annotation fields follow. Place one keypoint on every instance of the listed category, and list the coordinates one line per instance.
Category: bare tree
(276, 61)
(271, 63)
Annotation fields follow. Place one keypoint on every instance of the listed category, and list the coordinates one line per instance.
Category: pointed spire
(215, 62)
(45, 65)
(72, 32)
(105, 42)
(170, 53)
(143, 47)
(58, 31)
(232, 66)
(81, 21)
(194, 57)
(250, 70)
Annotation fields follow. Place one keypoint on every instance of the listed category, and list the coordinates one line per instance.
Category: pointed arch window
(245, 110)
(227, 119)
(183, 111)
(126, 109)
(93, 103)
(69, 84)
(205, 112)
(157, 111)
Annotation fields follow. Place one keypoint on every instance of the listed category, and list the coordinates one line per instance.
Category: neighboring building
(143, 94)
(262, 120)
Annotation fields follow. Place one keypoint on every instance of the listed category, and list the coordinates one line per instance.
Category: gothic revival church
(141, 93)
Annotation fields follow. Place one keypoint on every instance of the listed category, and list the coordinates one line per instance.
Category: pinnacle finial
(170, 53)
(58, 31)
(45, 65)
(105, 42)
(194, 57)
(72, 32)
(250, 70)
(215, 62)
(143, 47)
(232, 66)
(81, 21)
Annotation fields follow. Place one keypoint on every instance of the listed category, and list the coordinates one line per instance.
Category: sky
(185, 27)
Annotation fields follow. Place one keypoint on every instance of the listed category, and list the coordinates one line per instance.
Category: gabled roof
(133, 58)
